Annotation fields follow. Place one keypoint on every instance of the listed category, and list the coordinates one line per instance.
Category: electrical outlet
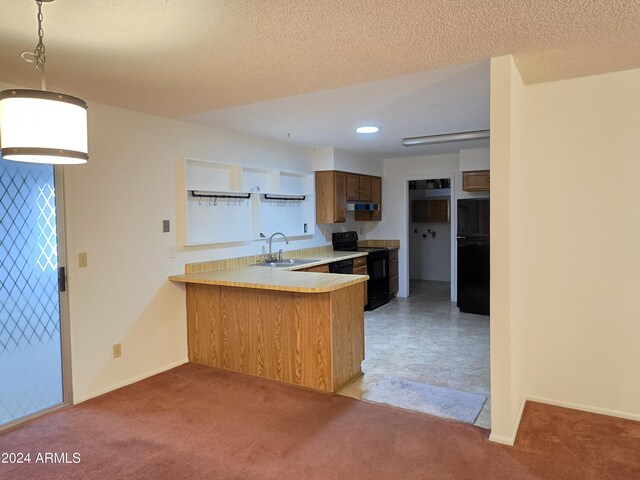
(82, 259)
(166, 226)
(117, 350)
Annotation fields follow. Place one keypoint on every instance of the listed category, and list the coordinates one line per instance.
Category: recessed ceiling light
(367, 129)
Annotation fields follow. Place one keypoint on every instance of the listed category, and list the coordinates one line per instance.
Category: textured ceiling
(454, 99)
(178, 57)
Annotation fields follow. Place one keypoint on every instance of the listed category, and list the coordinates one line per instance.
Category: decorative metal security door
(31, 359)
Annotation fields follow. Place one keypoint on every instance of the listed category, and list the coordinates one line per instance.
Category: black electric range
(377, 266)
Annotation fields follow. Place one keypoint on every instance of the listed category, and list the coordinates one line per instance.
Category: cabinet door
(419, 211)
(393, 272)
(319, 268)
(475, 181)
(438, 211)
(360, 262)
(330, 197)
(325, 197)
(376, 197)
(353, 186)
(339, 201)
(365, 188)
(430, 211)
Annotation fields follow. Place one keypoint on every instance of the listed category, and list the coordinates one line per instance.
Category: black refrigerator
(473, 256)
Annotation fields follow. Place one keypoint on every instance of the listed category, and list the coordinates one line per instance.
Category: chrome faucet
(279, 258)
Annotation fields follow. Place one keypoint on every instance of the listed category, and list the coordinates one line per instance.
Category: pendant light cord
(38, 55)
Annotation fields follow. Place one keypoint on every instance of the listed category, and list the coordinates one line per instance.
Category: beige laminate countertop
(284, 279)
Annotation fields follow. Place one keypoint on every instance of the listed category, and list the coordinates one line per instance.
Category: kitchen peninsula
(302, 328)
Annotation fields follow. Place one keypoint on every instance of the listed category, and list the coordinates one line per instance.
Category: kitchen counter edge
(285, 279)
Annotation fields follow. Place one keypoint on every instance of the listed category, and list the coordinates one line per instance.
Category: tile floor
(425, 338)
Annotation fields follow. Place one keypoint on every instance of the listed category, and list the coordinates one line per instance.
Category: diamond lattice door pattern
(30, 351)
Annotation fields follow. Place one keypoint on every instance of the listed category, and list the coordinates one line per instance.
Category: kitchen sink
(290, 262)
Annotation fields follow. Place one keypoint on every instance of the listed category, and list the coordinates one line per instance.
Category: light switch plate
(82, 259)
(166, 226)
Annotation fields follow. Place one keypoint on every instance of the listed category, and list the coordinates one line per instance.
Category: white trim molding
(131, 380)
(504, 440)
(510, 440)
(585, 408)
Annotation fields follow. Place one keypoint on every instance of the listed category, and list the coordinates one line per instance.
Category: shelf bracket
(239, 196)
(292, 198)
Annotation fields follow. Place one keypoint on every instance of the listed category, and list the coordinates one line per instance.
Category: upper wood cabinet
(334, 189)
(373, 193)
(431, 211)
(353, 187)
(476, 181)
(365, 188)
(376, 197)
(331, 188)
(358, 188)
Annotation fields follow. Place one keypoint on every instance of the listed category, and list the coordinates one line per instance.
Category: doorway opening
(431, 234)
(422, 352)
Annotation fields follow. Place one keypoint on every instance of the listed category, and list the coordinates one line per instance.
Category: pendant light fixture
(39, 126)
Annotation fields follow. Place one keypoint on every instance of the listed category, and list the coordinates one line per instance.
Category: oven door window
(378, 269)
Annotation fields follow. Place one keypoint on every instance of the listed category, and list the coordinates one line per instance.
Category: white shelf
(223, 220)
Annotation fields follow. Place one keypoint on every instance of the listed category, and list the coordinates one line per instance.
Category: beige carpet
(199, 423)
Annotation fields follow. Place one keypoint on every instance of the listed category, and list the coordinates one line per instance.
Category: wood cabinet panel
(376, 197)
(353, 186)
(359, 262)
(365, 188)
(313, 340)
(334, 189)
(476, 181)
(347, 340)
(431, 211)
(393, 272)
(330, 197)
(360, 268)
(393, 285)
(320, 269)
(340, 199)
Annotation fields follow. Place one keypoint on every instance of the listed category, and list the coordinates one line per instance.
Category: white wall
(352, 162)
(322, 159)
(567, 326)
(583, 338)
(114, 210)
(430, 258)
(507, 371)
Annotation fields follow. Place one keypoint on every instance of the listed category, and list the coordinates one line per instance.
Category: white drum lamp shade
(43, 127)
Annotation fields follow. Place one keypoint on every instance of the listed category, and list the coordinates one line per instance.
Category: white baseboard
(586, 408)
(129, 381)
(502, 439)
(511, 439)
